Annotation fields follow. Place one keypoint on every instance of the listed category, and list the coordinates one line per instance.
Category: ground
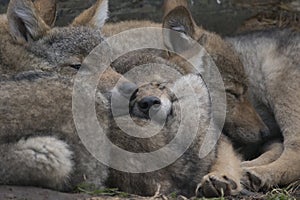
(31, 193)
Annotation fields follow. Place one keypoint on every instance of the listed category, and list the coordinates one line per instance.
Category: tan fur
(20, 14)
(265, 64)
(110, 29)
(229, 65)
(240, 112)
(39, 132)
(85, 164)
(271, 60)
(90, 17)
(47, 10)
(225, 174)
(271, 153)
(38, 146)
(24, 33)
(170, 5)
(9, 49)
(183, 175)
(243, 124)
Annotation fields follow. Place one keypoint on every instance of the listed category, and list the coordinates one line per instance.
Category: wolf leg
(283, 171)
(271, 153)
(284, 98)
(38, 161)
(225, 175)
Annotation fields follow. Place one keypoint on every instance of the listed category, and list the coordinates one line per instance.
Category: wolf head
(62, 46)
(165, 116)
(242, 124)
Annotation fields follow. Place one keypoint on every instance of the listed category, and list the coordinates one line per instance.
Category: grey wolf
(40, 47)
(265, 59)
(271, 61)
(243, 125)
(39, 145)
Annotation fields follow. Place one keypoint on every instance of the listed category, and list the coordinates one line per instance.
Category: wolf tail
(37, 161)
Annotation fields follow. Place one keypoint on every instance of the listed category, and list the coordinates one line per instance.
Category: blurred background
(225, 17)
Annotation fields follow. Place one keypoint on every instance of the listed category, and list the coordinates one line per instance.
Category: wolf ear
(94, 17)
(182, 26)
(47, 10)
(24, 22)
(170, 5)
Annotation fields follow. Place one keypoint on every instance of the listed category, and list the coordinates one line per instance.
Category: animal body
(54, 55)
(39, 145)
(269, 69)
(271, 61)
(38, 46)
(242, 125)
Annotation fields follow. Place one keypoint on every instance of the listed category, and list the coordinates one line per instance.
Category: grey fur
(38, 138)
(271, 60)
(37, 127)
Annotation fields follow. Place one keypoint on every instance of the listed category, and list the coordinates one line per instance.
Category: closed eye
(76, 66)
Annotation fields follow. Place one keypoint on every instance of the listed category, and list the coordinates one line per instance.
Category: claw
(251, 181)
(214, 185)
(198, 188)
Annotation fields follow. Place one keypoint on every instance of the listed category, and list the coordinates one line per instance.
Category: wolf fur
(271, 61)
(243, 125)
(24, 33)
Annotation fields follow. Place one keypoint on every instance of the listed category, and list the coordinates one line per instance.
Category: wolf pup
(243, 125)
(271, 60)
(39, 145)
(29, 43)
(33, 129)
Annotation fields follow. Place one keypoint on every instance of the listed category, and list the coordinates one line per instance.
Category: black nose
(147, 102)
(265, 133)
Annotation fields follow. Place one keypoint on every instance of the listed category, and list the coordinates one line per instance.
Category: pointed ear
(94, 17)
(47, 10)
(24, 22)
(182, 26)
(170, 5)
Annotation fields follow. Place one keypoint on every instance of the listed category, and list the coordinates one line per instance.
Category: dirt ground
(32, 193)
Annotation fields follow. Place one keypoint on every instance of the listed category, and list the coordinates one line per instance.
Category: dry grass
(292, 192)
(271, 14)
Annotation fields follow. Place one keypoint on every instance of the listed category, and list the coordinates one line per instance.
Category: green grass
(275, 194)
(91, 190)
(221, 198)
(283, 193)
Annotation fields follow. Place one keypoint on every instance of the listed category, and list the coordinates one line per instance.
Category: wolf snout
(128, 89)
(148, 103)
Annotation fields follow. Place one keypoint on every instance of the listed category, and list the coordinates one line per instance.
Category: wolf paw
(216, 185)
(252, 180)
